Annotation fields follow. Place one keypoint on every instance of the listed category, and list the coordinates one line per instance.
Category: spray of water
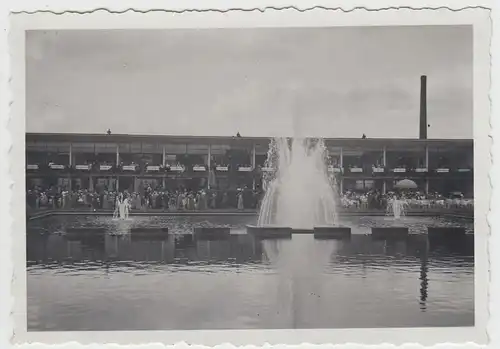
(299, 192)
(396, 208)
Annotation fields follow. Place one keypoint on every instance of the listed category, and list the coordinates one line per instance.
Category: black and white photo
(267, 177)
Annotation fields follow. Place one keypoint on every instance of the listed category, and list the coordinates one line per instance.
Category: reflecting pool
(123, 281)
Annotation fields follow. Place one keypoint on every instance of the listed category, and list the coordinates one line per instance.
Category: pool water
(120, 281)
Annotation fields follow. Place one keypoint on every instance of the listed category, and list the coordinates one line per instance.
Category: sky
(318, 82)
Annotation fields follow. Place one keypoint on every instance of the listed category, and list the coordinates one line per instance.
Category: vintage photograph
(250, 178)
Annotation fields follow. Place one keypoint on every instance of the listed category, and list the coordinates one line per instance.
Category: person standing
(240, 201)
(225, 200)
(105, 202)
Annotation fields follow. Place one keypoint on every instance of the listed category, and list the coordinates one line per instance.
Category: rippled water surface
(122, 281)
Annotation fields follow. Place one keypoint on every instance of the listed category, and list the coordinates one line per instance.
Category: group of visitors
(374, 199)
(184, 199)
(158, 199)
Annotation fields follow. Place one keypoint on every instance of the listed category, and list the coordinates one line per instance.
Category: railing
(201, 168)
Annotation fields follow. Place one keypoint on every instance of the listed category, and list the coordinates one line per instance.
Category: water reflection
(51, 248)
(241, 248)
(244, 282)
(424, 280)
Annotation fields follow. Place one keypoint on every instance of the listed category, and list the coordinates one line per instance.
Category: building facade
(132, 162)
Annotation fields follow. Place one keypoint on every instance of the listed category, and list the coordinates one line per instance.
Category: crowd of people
(183, 199)
(374, 199)
(151, 198)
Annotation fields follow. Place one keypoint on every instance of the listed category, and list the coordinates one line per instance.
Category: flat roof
(168, 139)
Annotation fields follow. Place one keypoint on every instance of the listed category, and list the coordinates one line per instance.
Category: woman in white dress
(240, 201)
(126, 207)
(121, 207)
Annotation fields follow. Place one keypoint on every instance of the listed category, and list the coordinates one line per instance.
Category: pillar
(253, 166)
(426, 157)
(209, 165)
(384, 164)
(427, 167)
(341, 185)
(117, 163)
(384, 157)
(70, 160)
(136, 184)
(163, 157)
(341, 157)
(91, 183)
(253, 155)
(70, 163)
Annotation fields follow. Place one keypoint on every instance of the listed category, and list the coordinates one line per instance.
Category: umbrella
(406, 184)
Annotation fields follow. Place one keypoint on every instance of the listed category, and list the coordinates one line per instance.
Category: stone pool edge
(48, 213)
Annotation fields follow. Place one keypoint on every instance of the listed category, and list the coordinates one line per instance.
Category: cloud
(261, 82)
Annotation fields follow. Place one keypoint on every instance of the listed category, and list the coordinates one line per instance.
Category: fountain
(122, 208)
(396, 207)
(395, 210)
(298, 191)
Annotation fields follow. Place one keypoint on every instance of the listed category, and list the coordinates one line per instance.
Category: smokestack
(423, 107)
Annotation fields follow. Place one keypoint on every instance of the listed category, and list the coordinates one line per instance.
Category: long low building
(133, 161)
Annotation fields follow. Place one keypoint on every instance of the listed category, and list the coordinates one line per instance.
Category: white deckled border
(270, 18)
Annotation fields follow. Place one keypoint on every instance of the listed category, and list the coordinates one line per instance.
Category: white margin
(235, 337)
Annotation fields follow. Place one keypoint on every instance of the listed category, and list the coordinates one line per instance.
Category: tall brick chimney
(423, 107)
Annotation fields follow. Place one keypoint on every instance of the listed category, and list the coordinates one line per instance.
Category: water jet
(299, 194)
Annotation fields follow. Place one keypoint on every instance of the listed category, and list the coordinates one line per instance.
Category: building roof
(177, 139)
